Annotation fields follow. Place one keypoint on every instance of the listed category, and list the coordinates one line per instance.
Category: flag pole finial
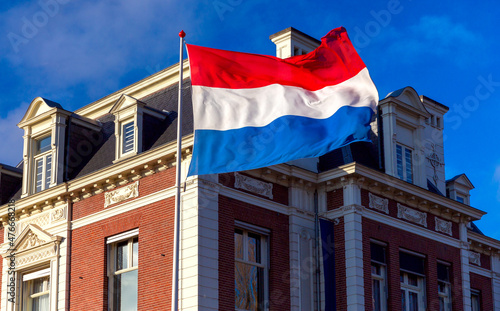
(182, 34)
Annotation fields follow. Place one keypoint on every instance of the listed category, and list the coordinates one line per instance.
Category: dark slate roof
(12, 168)
(52, 104)
(432, 188)
(454, 178)
(164, 101)
(475, 229)
(365, 153)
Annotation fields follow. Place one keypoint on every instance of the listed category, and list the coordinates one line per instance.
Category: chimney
(291, 42)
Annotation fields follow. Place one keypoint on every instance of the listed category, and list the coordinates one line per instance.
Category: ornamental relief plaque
(443, 226)
(121, 194)
(412, 215)
(475, 258)
(378, 203)
(253, 185)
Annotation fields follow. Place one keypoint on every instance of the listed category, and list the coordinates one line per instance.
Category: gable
(31, 237)
(38, 107)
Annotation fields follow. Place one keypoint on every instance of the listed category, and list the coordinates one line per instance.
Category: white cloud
(439, 36)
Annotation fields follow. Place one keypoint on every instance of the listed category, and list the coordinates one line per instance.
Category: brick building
(87, 216)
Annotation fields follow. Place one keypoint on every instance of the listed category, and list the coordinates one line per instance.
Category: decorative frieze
(412, 215)
(379, 203)
(253, 185)
(31, 240)
(475, 258)
(121, 194)
(443, 226)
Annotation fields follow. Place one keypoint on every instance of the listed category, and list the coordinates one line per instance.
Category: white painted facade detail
(378, 203)
(410, 214)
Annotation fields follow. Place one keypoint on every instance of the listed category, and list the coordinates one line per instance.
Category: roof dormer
(130, 115)
(403, 118)
(458, 188)
(292, 42)
(44, 125)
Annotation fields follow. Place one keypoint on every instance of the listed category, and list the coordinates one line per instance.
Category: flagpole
(175, 269)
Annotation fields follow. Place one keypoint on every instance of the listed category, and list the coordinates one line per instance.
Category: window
(379, 277)
(460, 199)
(444, 287)
(123, 270)
(128, 137)
(412, 281)
(404, 163)
(475, 297)
(250, 270)
(36, 291)
(43, 163)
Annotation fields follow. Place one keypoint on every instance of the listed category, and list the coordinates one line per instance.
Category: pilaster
(464, 260)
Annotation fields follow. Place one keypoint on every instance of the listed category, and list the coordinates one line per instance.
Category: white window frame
(264, 262)
(27, 282)
(477, 294)
(124, 124)
(382, 278)
(112, 243)
(446, 294)
(45, 180)
(419, 289)
(404, 164)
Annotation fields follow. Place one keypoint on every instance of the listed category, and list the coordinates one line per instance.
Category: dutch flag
(253, 111)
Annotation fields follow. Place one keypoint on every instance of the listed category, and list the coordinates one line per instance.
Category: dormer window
(128, 137)
(404, 163)
(131, 116)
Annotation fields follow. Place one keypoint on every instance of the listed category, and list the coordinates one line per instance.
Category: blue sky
(75, 52)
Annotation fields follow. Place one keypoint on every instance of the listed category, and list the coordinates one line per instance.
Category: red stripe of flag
(333, 62)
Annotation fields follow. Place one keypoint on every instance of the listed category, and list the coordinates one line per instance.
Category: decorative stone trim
(443, 226)
(253, 185)
(23, 260)
(379, 203)
(475, 258)
(121, 194)
(31, 241)
(412, 215)
(352, 208)
(43, 220)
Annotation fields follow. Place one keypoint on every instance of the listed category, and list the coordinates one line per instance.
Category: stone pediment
(408, 98)
(123, 102)
(31, 237)
(38, 107)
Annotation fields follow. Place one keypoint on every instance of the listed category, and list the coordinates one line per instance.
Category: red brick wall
(433, 251)
(482, 283)
(279, 270)
(335, 199)
(147, 185)
(280, 193)
(88, 278)
(393, 212)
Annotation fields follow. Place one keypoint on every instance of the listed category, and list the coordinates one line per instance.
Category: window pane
(128, 137)
(441, 304)
(399, 162)
(48, 171)
(37, 286)
(39, 174)
(122, 255)
(377, 252)
(408, 162)
(412, 279)
(40, 303)
(135, 252)
(411, 263)
(43, 145)
(238, 244)
(403, 300)
(376, 295)
(253, 248)
(413, 300)
(248, 286)
(126, 291)
(375, 269)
